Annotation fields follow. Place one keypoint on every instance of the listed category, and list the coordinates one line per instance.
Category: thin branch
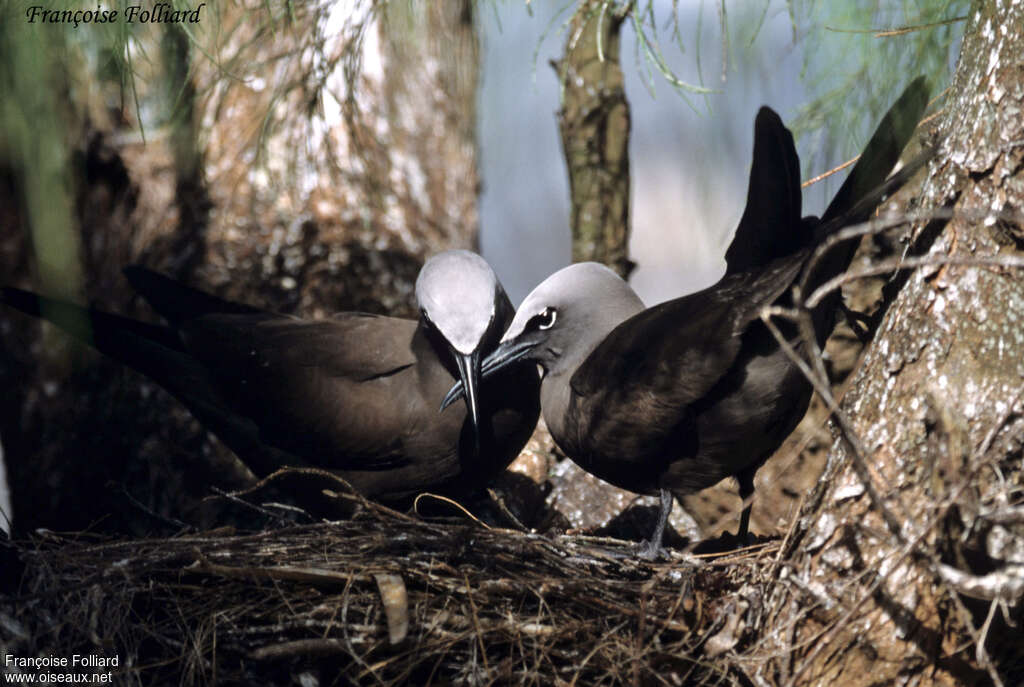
(899, 30)
(819, 380)
(826, 175)
(899, 264)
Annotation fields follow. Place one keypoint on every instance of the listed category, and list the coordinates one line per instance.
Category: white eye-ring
(547, 318)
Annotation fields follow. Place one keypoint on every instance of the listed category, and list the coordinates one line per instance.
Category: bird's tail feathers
(156, 352)
(861, 193)
(104, 331)
(879, 157)
(770, 226)
(176, 302)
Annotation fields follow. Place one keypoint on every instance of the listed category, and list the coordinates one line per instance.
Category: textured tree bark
(594, 122)
(374, 170)
(897, 569)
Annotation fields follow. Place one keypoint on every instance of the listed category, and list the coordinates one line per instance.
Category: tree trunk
(594, 123)
(907, 559)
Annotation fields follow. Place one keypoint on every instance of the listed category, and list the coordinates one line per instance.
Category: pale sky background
(689, 166)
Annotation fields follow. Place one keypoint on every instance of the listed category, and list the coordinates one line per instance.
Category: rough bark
(907, 561)
(362, 157)
(594, 124)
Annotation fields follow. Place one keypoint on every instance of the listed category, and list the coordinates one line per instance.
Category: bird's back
(638, 400)
(355, 394)
(359, 395)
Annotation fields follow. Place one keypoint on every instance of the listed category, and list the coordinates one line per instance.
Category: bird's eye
(545, 320)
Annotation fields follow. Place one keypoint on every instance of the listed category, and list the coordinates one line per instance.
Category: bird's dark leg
(652, 549)
(746, 481)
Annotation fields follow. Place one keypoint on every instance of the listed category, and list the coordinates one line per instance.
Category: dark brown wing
(639, 386)
(352, 345)
(323, 391)
(694, 336)
(158, 352)
(342, 393)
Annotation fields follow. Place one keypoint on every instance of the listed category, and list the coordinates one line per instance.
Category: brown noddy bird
(677, 397)
(355, 394)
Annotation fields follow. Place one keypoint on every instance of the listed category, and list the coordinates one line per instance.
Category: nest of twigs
(381, 598)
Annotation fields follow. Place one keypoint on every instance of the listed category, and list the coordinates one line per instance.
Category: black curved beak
(501, 357)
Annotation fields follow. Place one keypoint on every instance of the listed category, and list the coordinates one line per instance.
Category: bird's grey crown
(587, 289)
(588, 301)
(458, 291)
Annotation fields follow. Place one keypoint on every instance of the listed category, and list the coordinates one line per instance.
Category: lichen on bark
(937, 404)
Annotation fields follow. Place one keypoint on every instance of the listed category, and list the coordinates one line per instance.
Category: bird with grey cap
(677, 397)
(355, 394)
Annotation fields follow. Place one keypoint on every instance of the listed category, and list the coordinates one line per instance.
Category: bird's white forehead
(457, 290)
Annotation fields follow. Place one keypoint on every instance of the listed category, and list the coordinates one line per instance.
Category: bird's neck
(427, 344)
(556, 389)
(555, 394)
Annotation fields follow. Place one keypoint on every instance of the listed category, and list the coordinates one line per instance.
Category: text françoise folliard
(160, 13)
